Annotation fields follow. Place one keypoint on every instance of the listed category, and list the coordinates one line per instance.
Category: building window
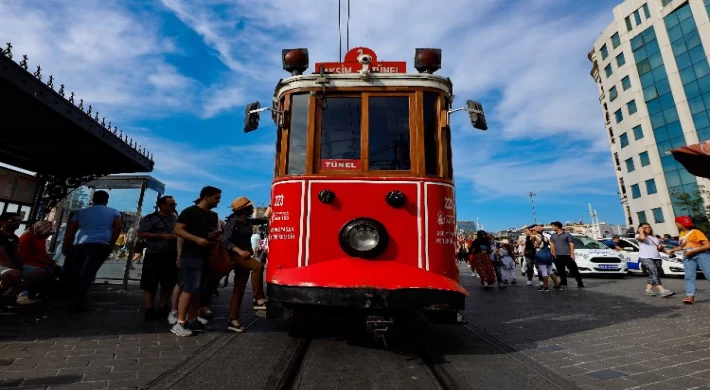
(637, 17)
(635, 191)
(613, 94)
(605, 52)
(615, 41)
(658, 215)
(608, 71)
(626, 83)
(651, 186)
(629, 27)
(638, 132)
(620, 60)
(619, 116)
(631, 106)
(630, 165)
(645, 161)
(642, 217)
(665, 2)
(646, 11)
(624, 140)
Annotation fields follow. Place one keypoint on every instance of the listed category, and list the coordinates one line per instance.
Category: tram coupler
(379, 327)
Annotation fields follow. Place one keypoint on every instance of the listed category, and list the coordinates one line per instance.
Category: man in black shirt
(198, 227)
(13, 272)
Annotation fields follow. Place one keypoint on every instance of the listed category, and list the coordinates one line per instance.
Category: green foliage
(696, 205)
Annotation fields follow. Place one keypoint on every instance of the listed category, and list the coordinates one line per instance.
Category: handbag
(220, 262)
(544, 255)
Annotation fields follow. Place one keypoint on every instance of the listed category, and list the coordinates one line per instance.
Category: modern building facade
(651, 68)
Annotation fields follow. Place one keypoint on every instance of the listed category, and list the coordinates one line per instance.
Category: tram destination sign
(352, 63)
(331, 164)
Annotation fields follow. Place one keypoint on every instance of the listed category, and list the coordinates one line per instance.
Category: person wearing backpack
(543, 259)
(696, 248)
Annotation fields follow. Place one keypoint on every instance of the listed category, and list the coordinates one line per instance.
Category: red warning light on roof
(353, 62)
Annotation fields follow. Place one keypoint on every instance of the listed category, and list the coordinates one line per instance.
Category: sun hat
(240, 203)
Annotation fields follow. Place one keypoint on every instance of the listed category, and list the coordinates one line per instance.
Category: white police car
(630, 250)
(593, 257)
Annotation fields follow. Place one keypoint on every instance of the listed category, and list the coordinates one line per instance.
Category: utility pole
(532, 199)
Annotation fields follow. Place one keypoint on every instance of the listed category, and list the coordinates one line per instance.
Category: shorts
(192, 273)
(159, 269)
(26, 271)
(545, 269)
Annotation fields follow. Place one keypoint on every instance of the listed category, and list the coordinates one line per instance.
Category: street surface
(606, 336)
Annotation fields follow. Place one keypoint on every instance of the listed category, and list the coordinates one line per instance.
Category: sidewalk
(608, 335)
(108, 347)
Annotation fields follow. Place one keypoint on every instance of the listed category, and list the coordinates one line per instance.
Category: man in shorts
(159, 265)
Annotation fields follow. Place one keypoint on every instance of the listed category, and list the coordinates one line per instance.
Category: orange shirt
(693, 238)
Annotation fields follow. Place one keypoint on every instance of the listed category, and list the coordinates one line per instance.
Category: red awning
(695, 158)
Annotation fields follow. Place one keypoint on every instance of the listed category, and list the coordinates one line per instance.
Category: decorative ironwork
(8, 52)
(96, 117)
(71, 98)
(38, 73)
(103, 120)
(53, 189)
(120, 133)
(23, 63)
(50, 83)
(81, 104)
(89, 111)
(61, 90)
(131, 143)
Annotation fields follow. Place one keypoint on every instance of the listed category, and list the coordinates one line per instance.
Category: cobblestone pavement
(108, 347)
(608, 335)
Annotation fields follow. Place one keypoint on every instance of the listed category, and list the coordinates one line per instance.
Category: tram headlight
(364, 237)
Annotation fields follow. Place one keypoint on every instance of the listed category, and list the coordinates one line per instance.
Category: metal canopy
(44, 132)
(124, 182)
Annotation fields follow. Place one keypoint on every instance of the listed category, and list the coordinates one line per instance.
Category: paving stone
(130, 383)
(551, 348)
(634, 368)
(647, 377)
(606, 374)
(688, 381)
(11, 382)
(53, 380)
(84, 370)
(27, 374)
(81, 386)
(111, 376)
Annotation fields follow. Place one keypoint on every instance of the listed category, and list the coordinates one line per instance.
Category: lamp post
(532, 199)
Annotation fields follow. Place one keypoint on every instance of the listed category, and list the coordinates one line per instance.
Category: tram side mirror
(251, 117)
(475, 113)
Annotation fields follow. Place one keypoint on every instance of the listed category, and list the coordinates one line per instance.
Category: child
(508, 267)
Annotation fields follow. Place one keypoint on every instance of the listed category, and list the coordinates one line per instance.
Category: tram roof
(354, 80)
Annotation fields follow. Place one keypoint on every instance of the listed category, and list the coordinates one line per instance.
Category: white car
(670, 265)
(593, 257)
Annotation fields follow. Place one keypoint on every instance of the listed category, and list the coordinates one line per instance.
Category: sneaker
(172, 317)
(580, 285)
(203, 321)
(206, 313)
(543, 289)
(180, 330)
(258, 306)
(150, 315)
(666, 293)
(514, 282)
(650, 293)
(195, 326)
(528, 283)
(234, 328)
(689, 300)
(505, 281)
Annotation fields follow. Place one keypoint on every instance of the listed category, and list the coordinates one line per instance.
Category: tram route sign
(334, 164)
(351, 63)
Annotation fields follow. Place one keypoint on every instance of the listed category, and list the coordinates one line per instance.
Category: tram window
(298, 135)
(340, 129)
(389, 133)
(431, 130)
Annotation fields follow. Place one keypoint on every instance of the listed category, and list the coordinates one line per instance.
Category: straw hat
(240, 203)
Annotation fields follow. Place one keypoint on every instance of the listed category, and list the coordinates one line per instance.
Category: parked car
(593, 257)
(671, 266)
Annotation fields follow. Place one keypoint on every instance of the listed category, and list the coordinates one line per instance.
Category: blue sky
(175, 76)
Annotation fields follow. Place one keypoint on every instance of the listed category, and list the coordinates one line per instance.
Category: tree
(697, 206)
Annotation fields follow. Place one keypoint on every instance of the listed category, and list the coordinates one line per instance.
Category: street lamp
(532, 199)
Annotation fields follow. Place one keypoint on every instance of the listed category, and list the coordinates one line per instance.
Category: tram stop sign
(352, 63)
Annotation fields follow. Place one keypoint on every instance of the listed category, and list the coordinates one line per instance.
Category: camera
(364, 59)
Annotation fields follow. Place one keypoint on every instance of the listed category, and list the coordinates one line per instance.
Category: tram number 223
(449, 203)
(278, 200)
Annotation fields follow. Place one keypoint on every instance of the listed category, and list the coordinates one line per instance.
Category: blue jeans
(691, 264)
(87, 260)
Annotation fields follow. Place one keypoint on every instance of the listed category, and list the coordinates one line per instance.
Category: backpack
(544, 254)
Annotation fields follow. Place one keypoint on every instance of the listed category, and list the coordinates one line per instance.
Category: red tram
(364, 212)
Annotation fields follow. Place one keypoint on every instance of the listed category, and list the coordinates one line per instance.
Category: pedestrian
(696, 254)
(529, 256)
(650, 257)
(15, 276)
(93, 232)
(480, 259)
(198, 227)
(159, 265)
(508, 263)
(543, 259)
(562, 248)
(237, 239)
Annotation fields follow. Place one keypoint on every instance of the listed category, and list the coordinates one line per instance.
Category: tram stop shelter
(695, 158)
(45, 129)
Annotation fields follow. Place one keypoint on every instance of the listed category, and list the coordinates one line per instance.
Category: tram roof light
(427, 60)
(295, 61)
